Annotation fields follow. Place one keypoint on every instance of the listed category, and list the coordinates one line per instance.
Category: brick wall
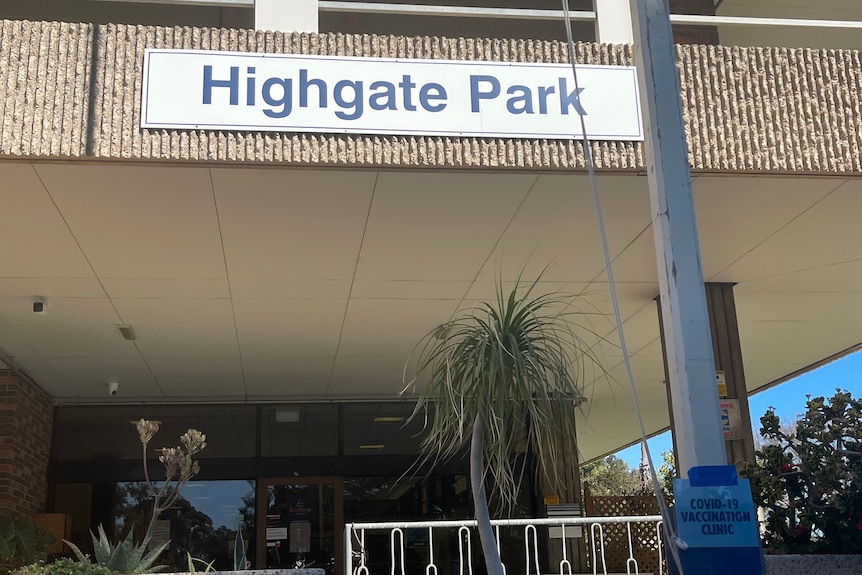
(26, 419)
(694, 34)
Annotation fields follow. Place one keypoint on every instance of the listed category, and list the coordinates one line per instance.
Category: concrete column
(613, 22)
(568, 468)
(286, 15)
(728, 359)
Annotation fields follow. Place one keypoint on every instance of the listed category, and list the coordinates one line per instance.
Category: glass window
(203, 522)
(299, 430)
(94, 432)
(381, 428)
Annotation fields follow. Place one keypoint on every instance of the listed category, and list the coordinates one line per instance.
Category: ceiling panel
(166, 288)
(485, 289)
(292, 224)
(732, 218)
(286, 288)
(69, 327)
(815, 239)
(25, 290)
(368, 376)
(199, 377)
(289, 328)
(759, 374)
(140, 222)
(181, 327)
(798, 306)
(806, 341)
(609, 415)
(28, 213)
(390, 327)
(637, 262)
(555, 232)
(409, 289)
(89, 377)
(835, 278)
(437, 226)
(287, 377)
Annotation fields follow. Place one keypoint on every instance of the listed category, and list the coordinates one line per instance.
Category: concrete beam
(613, 22)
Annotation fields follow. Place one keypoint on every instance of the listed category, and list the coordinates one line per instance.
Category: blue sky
(788, 399)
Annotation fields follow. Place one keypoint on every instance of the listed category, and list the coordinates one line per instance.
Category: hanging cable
(668, 525)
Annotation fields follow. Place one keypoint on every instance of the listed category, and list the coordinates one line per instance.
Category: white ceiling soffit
(279, 284)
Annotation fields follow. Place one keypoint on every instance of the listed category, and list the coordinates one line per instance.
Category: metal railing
(641, 538)
(524, 13)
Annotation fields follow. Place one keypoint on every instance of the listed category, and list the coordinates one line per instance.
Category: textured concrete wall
(44, 87)
(746, 109)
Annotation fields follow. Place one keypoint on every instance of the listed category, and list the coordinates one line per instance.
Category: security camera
(38, 306)
(113, 388)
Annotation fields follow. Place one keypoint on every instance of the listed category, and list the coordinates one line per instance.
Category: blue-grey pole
(694, 394)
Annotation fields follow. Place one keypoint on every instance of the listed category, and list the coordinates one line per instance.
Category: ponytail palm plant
(501, 376)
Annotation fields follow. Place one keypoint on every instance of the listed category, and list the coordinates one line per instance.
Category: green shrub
(21, 541)
(64, 567)
(809, 479)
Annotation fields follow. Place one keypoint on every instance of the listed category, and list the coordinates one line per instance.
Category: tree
(610, 476)
(787, 426)
(809, 479)
(501, 377)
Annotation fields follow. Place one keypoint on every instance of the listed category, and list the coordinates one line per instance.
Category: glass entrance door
(300, 523)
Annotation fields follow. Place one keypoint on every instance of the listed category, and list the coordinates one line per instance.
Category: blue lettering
(572, 99)
(544, 91)
(233, 84)
(525, 100)
(387, 95)
(249, 87)
(426, 96)
(407, 86)
(355, 104)
(286, 100)
(305, 83)
(476, 94)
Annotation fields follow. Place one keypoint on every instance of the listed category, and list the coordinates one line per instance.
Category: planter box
(813, 564)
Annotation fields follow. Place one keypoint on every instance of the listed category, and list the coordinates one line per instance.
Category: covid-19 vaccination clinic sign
(209, 90)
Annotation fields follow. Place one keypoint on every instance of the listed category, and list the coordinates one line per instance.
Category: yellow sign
(552, 499)
(722, 383)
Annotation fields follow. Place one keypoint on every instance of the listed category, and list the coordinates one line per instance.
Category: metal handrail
(357, 532)
(504, 522)
(522, 13)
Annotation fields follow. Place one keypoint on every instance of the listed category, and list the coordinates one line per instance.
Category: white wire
(668, 523)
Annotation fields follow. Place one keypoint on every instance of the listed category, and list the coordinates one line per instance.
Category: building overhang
(293, 267)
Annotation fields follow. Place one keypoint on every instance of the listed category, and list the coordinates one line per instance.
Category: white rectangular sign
(208, 90)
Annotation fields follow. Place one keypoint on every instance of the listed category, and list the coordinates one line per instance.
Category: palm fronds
(513, 365)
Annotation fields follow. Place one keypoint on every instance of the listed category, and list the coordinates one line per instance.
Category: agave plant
(501, 376)
(126, 557)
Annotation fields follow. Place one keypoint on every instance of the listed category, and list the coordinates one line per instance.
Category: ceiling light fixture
(287, 415)
(388, 419)
(372, 446)
(127, 331)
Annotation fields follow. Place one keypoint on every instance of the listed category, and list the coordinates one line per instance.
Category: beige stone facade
(73, 91)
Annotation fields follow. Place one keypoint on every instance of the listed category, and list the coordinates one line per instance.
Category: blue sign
(715, 515)
(717, 523)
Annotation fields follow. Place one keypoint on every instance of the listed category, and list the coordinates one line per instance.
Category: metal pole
(697, 422)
